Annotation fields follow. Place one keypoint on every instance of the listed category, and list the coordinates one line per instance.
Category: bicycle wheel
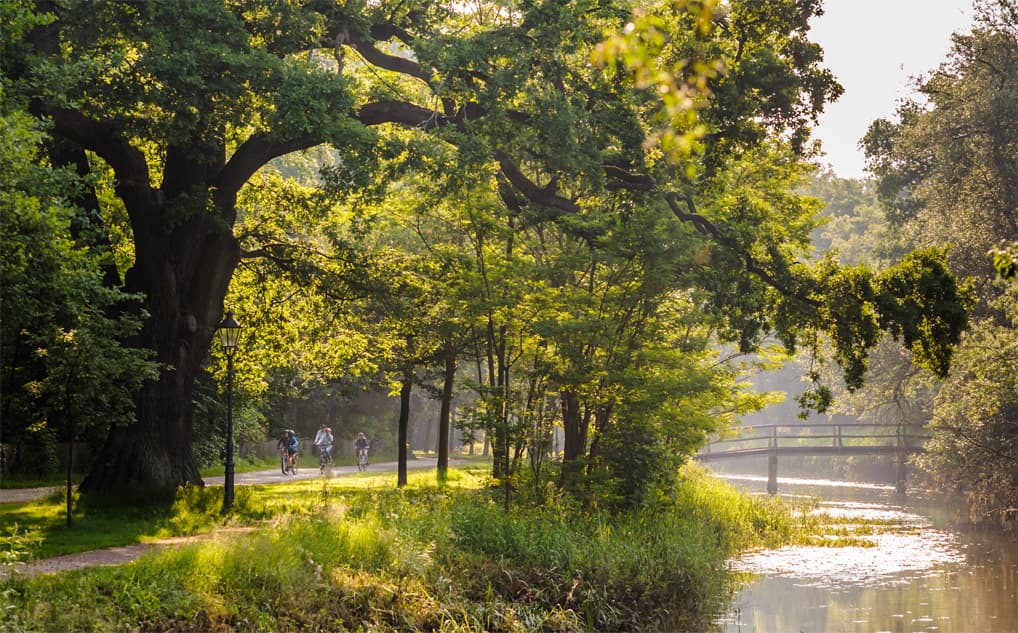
(282, 463)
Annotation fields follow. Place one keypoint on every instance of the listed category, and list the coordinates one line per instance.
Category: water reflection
(920, 575)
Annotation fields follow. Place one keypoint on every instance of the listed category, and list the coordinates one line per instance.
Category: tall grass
(359, 555)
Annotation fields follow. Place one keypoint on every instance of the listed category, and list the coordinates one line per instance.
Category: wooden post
(772, 463)
(899, 479)
(772, 473)
(900, 483)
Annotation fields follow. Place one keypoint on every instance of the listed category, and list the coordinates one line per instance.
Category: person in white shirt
(323, 440)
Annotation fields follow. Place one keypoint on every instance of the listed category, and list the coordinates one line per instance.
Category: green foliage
(65, 368)
(1005, 260)
(586, 238)
(953, 160)
(974, 443)
(675, 68)
(920, 302)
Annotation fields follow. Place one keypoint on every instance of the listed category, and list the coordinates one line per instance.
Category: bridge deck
(801, 439)
(836, 438)
(806, 450)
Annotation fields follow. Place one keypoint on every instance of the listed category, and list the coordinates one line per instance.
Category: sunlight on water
(872, 512)
(895, 558)
(919, 576)
(908, 545)
(784, 482)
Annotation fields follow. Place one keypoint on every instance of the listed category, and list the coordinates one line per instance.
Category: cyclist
(281, 447)
(323, 440)
(362, 447)
(290, 445)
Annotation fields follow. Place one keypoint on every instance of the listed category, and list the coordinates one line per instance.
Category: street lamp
(229, 336)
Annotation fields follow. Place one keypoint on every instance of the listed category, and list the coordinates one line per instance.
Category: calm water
(924, 575)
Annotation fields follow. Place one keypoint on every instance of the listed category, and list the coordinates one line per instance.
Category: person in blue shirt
(288, 445)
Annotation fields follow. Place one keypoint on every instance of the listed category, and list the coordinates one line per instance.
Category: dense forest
(590, 219)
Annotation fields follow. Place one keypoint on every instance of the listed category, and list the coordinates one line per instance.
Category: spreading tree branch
(546, 196)
(709, 229)
(128, 162)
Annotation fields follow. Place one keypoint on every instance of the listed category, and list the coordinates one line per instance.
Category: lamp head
(229, 333)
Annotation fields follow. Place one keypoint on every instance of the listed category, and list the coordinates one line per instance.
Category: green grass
(355, 553)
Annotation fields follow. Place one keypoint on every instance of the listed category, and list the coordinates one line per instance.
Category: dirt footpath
(107, 556)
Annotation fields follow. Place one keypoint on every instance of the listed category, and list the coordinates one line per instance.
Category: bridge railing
(831, 434)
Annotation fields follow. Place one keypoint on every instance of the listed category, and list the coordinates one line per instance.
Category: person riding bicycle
(287, 444)
(362, 447)
(323, 440)
(291, 443)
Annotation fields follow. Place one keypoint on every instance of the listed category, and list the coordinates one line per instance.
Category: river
(919, 573)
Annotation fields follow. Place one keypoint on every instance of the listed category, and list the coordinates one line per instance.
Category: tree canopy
(594, 239)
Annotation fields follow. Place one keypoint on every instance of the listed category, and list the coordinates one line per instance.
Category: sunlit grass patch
(18, 544)
(738, 520)
(838, 540)
(91, 527)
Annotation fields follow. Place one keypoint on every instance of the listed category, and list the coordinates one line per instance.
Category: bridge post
(899, 486)
(772, 463)
(772, 473)
(899, 479)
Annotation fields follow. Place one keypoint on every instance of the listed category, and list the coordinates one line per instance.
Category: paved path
(22, 495)
(274, 476)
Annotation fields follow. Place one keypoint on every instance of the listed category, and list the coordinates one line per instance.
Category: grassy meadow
(356, 554)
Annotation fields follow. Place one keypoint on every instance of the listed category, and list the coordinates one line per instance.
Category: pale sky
(873, 47)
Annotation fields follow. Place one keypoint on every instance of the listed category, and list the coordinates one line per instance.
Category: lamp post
(229, 335)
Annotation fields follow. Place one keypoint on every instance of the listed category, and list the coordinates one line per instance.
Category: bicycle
(325, 461)
(289, 463)
(362, 459)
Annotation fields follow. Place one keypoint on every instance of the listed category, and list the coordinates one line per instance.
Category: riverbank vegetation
(355, 553)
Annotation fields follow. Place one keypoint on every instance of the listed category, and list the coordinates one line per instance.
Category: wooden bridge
(832, 438)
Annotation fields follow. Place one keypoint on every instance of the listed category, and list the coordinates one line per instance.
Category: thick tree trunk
(404, 425)
(574, 426)
(444, 416)
(184, 275)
